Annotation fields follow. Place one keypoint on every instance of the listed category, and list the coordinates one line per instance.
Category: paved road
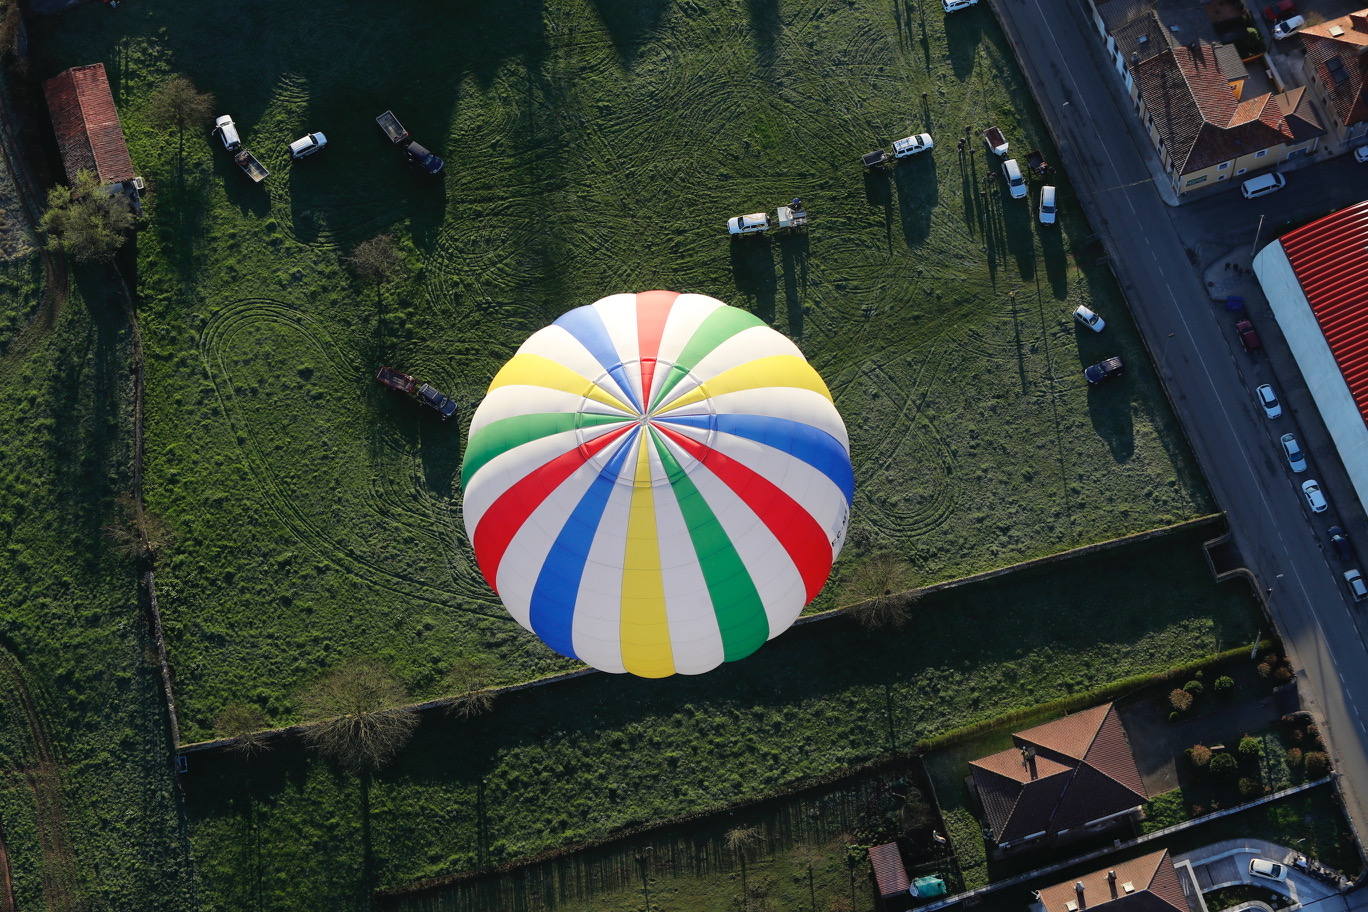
(1208, 381)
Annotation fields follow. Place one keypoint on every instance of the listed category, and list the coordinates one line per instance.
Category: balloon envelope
(657, 483)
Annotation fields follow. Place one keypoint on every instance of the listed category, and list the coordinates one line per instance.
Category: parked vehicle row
(792, 217)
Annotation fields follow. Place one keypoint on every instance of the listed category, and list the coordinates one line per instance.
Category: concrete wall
(1318, 367)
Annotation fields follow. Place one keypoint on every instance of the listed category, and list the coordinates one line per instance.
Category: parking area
(1227, 864)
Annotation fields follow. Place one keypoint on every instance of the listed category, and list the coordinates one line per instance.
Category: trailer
(396, 380)
(995, 141)
(250, 166)
(1037, 163)
(394, 131)
(424, 393)
(792, 217)
(879, 158)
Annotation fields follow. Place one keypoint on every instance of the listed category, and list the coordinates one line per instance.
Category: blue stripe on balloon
(812, 445)
(558, 582)
(585, 324)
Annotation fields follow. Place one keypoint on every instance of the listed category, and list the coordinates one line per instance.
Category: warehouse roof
(86, 123)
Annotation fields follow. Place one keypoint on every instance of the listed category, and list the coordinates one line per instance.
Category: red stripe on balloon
(653, 308)
(801, 535)
(506, 515)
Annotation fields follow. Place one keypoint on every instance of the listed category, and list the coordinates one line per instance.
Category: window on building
(1241, 171)
(1261, 153)
(1196, 180)
(1222, 166)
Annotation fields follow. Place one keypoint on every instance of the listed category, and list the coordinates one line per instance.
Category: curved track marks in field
(416, 511)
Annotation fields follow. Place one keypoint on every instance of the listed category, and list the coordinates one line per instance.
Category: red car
(1280, 10)
(1248, 337)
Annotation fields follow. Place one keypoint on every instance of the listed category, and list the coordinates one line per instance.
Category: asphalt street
(1157, 254)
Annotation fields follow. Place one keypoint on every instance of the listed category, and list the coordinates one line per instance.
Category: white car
(1262, 185)
(911, 145)
(227, 131)
(954, 6)
(1288, 27)
(1315, 497)
(1269, 400)
(308, 145)
(1296, 459)
(755, 223)
(1262, 867)
(1089, 319)
(1361, 154)
(1048, 212)
(1016, 184)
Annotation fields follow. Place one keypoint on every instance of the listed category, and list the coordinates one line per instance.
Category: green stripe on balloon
(740, 614)
(716, 328)
(498, 437)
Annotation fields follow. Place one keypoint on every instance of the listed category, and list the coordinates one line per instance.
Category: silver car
(1315, 497)
(1296, 459)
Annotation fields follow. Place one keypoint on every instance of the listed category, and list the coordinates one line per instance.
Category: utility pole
(1257, 231)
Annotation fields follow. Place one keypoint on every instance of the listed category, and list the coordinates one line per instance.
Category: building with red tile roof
(1316, 281)
(890, 875)
(86, 124)
(1336, 66)
(1074, 773)
(1149, 883)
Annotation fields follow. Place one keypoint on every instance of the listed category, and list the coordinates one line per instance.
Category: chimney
(1359, 21)
(1078, 889)
(1028, 760)
(1111, 882)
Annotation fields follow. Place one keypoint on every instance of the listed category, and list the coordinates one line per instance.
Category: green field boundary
(828, 615)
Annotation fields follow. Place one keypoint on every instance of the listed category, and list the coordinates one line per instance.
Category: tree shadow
(963, 32)
(185, 199)
(1056, 260)
(918, 193)
(793, 256)
(878, 192)
(753, 272)
(630, 24)
(765, 26)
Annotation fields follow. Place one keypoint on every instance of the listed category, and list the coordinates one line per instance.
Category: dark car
(1339, 540)
(1248, 337)
(1279, 10)
(1104, 369)
(423, 159)
(442, 403)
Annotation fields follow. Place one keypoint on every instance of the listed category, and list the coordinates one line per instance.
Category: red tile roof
(1059, 775)
(87, 125)
(1346, 82)
(889, 874)
(1154, 881)
(1200, 120)
(1330, 259)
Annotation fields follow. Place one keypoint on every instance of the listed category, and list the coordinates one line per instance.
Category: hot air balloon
(656, 483)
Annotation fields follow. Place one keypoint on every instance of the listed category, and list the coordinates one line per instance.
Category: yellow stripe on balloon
(644, 627)
(526, 369)
(776, 370)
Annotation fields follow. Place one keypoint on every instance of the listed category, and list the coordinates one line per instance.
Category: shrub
(1313, 738)
(1265, 669)
(1249, 787)
(1294, 757)
(1317, 763)
(85, 222)
(1194, 687)
(1180, 700)
(1250, 747)
(1199, 755)
(1224, 765)
(357, 720)
(1282, 674)
(1223, 685)
(1174, 715)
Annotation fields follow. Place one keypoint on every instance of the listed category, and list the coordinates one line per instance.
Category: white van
(1263, 185)
(226, 130)
(1016, 184)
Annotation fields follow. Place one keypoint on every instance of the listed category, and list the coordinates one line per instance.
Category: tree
(1223, 685)
(246, 725)
(136, 532)
(881, 589)
(1180, 700)
(177, 104)
(469, 681)
(85, 221)
(1317, 763)
(1194, 687)
(1224, 765)
(377, 260)
(358, 719)
(741, 840)
(1199, 755)
(1250, 747)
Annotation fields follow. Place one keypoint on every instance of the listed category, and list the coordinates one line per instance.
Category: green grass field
(577, 760)
(593, 146)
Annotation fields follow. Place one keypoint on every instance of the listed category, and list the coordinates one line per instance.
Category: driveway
(1226, 864)
(1208, 381)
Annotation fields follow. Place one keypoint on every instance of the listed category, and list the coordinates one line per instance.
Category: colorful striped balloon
(657, 483)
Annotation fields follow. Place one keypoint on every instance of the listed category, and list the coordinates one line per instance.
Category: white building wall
(1318, 367)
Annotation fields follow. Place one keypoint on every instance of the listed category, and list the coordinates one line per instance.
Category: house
(1336, 65)
(87, 127)
(1191, 99)
(1150, 883)
(1075, 774)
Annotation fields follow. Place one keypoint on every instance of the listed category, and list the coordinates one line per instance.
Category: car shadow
(918, 193)
(793, 257)
(752, 264)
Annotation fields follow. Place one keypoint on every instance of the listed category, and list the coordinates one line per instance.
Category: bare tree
(469, 682)
(358, 719)
(377, 260)
(85, 221)
(177, 104)
(136, 532)
(882, 590)
(246, 725)
(742, 840)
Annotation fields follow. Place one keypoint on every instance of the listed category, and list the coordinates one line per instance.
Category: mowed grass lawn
(577, 760)
(593, 147)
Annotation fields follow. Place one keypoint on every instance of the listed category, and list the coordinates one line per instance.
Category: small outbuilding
(890, 876)
(86, 123)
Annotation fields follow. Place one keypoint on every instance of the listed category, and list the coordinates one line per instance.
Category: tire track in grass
(216, 338)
